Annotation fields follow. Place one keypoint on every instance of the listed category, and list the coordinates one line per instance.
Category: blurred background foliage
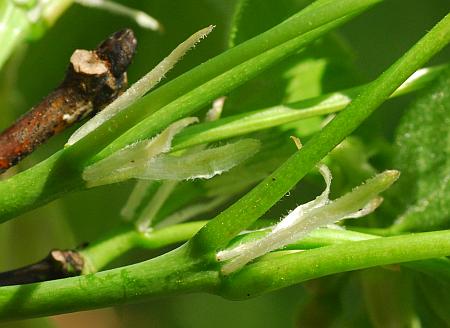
(354, 54)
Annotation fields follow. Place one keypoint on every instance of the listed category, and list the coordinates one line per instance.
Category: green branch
(39, 185)
(312, 22)
(275, 272)
(177, 272)
(193, 266)
(42, 183)
(248, 122)
(174, 272)
(125, 238)
(16, 25)
(219, 231)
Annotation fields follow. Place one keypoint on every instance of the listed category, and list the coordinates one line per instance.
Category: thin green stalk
(127, 237)
(148, 214)
(177, 272)
(54, 9)
(373, 231)
(219, 231)
(115, 244)
(172, 273)
(196, 99)
(16, 25)
(248, 122)
(42, 183)
(316, 16)
(274, 272)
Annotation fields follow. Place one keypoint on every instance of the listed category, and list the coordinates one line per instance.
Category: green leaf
(435, 294)
(423, 157)
(252, 17)
(322, 304)
(389, 297)
(323, 67)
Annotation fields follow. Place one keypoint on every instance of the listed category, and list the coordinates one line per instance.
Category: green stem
(35, 186)
(219, 231)
(177, 272)
(54, 9)
(194, 100)
(172, 273)
(39, 185)
(385, 232)
(42, 183)
(16, 26)
(275, 272)
(148, 214)
(322, 15)
(248, 122)
(125, 238)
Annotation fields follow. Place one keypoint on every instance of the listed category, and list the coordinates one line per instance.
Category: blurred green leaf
(321, 306)
(334, 302)
(435, 294)
(423, 157)
(389, 298)
(40, 322)
(325, 66)
(349, 162)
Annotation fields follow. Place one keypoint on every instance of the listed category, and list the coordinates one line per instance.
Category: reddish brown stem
(93, 80)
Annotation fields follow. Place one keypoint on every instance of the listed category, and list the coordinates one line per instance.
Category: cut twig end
(87, 62)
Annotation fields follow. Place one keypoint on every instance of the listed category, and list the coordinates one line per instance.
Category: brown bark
(58, 264)
(93, 80)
